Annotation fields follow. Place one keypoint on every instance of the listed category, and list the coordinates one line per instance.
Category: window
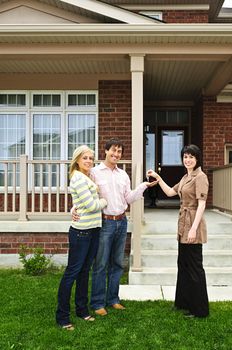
(12, 100)
(81, 100)
(172, 143)
(228, 154)
(46, 100)
(81, 130)
(46, 126)
(12, 142)
(46, 144)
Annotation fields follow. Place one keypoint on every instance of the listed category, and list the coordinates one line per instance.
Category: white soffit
(225, 95)
(110, 11)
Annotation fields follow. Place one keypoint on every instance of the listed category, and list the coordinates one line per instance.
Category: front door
(170, 141)
(166, 132)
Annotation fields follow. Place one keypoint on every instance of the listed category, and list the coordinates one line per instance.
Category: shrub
(34, 261)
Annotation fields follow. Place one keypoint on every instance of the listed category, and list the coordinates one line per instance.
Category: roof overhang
(118, 33)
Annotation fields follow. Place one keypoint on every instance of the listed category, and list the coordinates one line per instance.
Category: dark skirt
(191, 291)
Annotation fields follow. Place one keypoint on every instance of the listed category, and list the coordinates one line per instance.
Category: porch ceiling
(181, 61)
(171, 79)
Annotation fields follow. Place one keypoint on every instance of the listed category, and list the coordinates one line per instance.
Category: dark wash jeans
(83, 245)
(108, 265)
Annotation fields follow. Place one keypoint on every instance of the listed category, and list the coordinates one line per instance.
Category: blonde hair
(79, 151)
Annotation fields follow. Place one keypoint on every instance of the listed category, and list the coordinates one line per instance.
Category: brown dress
(191, 291)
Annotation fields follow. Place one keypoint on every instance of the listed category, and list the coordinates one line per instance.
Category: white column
(137, 68)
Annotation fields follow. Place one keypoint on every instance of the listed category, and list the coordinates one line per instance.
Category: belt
(113, 217)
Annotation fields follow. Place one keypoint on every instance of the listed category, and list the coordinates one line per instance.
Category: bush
(34, 261)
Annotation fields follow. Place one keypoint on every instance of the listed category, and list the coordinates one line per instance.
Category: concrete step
(167, 276)
(218, 242)
(166, 258)
(170, 227)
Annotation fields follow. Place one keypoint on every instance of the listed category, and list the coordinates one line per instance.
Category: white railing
(222, 188)
(30, 188)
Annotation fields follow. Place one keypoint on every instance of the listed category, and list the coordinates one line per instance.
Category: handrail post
(23, 188)
(137, 224)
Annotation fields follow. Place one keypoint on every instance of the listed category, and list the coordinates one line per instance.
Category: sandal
(68, 327)
(88, 318)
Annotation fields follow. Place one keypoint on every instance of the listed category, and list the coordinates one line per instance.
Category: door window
(150, 151)
(172, 143)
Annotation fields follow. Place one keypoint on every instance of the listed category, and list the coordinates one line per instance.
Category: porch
(37, 213)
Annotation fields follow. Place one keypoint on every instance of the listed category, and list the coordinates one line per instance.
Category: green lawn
(27, 308)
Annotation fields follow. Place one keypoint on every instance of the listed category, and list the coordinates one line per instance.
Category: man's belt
(113, 217)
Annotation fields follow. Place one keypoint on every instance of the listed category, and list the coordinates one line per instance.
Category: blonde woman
(83, 238)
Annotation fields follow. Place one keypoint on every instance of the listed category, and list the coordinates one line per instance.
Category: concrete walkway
(154, 292)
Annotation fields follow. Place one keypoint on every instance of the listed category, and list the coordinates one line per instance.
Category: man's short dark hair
(114, 142)
(194, 151)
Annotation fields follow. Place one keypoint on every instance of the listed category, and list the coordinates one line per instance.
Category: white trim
(153, 14)
(166, 7)
(224, 98)
(109, 11)
(227, 149)
(225, 95)
(102, 30)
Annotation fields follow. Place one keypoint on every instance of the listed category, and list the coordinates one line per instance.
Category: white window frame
(15, 108)
(83, 110)
(47, 92)
(29, 110)
(227, 149)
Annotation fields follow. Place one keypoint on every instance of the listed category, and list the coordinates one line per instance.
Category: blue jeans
(83, 245)
(108, 264)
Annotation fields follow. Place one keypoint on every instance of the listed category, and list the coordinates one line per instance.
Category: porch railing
(32, 188)
(222, 188)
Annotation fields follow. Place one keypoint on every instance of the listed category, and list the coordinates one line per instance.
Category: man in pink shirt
(114, 186)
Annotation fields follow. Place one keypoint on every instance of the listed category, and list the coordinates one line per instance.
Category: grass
(27, 307)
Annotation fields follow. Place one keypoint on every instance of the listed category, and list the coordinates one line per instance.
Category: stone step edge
(173, 252)
(168, 236)
(164, 270)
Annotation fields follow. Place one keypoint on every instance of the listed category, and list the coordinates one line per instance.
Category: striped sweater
(85, 198)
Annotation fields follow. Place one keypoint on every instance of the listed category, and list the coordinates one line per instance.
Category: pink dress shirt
(114, 186)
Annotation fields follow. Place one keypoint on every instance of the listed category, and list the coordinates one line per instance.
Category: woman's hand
(192, 235)
(75, 215)
(152, 173)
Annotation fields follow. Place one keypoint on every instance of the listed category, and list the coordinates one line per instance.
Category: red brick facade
(115, 114)
(217, 131)
(52, 243)
(183, 16)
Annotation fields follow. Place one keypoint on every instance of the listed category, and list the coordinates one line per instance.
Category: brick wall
(52, 243)
(183, 16)
(217, 131)
(56, 243)
(115, 114)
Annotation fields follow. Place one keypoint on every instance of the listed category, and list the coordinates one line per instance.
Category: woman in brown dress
(191, 291)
